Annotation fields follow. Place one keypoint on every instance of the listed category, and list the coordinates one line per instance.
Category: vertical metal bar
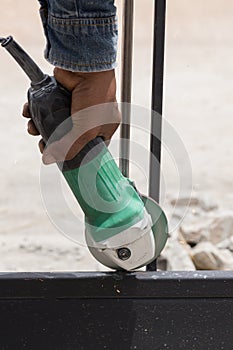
(126, 91)
(157, 102)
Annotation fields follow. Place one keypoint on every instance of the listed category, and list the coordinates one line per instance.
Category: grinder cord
(2, 40)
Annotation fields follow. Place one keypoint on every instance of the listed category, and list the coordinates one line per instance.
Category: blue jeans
(81, 34)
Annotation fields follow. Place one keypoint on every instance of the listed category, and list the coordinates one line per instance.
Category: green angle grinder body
(124, 230)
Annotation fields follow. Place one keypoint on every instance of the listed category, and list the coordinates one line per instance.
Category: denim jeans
(81, 34)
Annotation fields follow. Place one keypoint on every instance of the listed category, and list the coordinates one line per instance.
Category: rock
(207, 204)
(177, 255)
(226, 244)
(221, 227)
(188, 220)
(213, 228)
(204, 203)
(185, 201)
(194, 233)
(208, 257)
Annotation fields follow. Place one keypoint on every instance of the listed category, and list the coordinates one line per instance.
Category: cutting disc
(160, 224)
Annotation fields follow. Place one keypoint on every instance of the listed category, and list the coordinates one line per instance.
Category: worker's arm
(81, 44)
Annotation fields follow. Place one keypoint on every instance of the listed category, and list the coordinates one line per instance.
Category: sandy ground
(198, 103)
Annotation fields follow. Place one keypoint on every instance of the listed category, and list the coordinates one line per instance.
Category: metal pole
(127, 58)
(157, 102)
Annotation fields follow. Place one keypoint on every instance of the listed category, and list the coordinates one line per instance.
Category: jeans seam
(83, 64)
(89, 22)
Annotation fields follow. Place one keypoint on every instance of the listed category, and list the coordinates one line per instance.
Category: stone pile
(203, 240)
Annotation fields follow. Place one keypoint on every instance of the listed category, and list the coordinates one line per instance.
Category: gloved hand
(94, 113)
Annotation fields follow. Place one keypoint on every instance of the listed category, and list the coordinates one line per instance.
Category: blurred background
(198, 103)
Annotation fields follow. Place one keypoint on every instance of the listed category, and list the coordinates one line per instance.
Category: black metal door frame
(156, 98)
